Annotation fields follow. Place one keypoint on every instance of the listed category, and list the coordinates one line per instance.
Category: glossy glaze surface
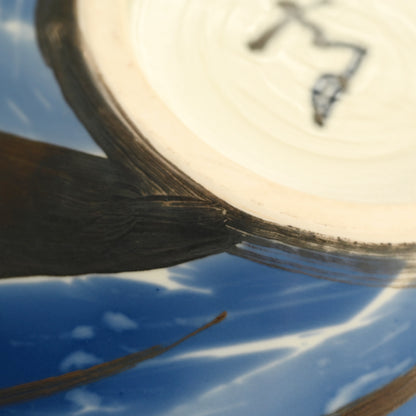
(291, 344)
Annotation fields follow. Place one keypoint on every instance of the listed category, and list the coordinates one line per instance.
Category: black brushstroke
(63, 212)
(61, 44)
(383, 401)
(52, 385)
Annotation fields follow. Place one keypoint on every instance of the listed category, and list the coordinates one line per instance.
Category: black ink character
(328, 88)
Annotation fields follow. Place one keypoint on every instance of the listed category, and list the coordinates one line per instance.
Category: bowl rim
(87, 73)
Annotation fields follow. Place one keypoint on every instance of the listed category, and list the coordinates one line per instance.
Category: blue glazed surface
(291, 344)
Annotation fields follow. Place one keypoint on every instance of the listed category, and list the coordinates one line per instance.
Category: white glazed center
(255, 107)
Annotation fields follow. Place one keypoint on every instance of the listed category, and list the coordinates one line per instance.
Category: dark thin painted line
(328, 87)
(293, 11)
(52, 385)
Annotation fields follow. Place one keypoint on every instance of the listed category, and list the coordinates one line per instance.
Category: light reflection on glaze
(31, 104)
(280, 326)
(255, 108)
(37, 318)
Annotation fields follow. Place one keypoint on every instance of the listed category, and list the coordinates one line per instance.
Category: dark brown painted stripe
(385, 400)
(63, 212)
(52, 385)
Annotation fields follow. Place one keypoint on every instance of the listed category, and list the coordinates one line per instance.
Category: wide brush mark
(383, 401)
(63, 212)
(125, 145)
(53, 385)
